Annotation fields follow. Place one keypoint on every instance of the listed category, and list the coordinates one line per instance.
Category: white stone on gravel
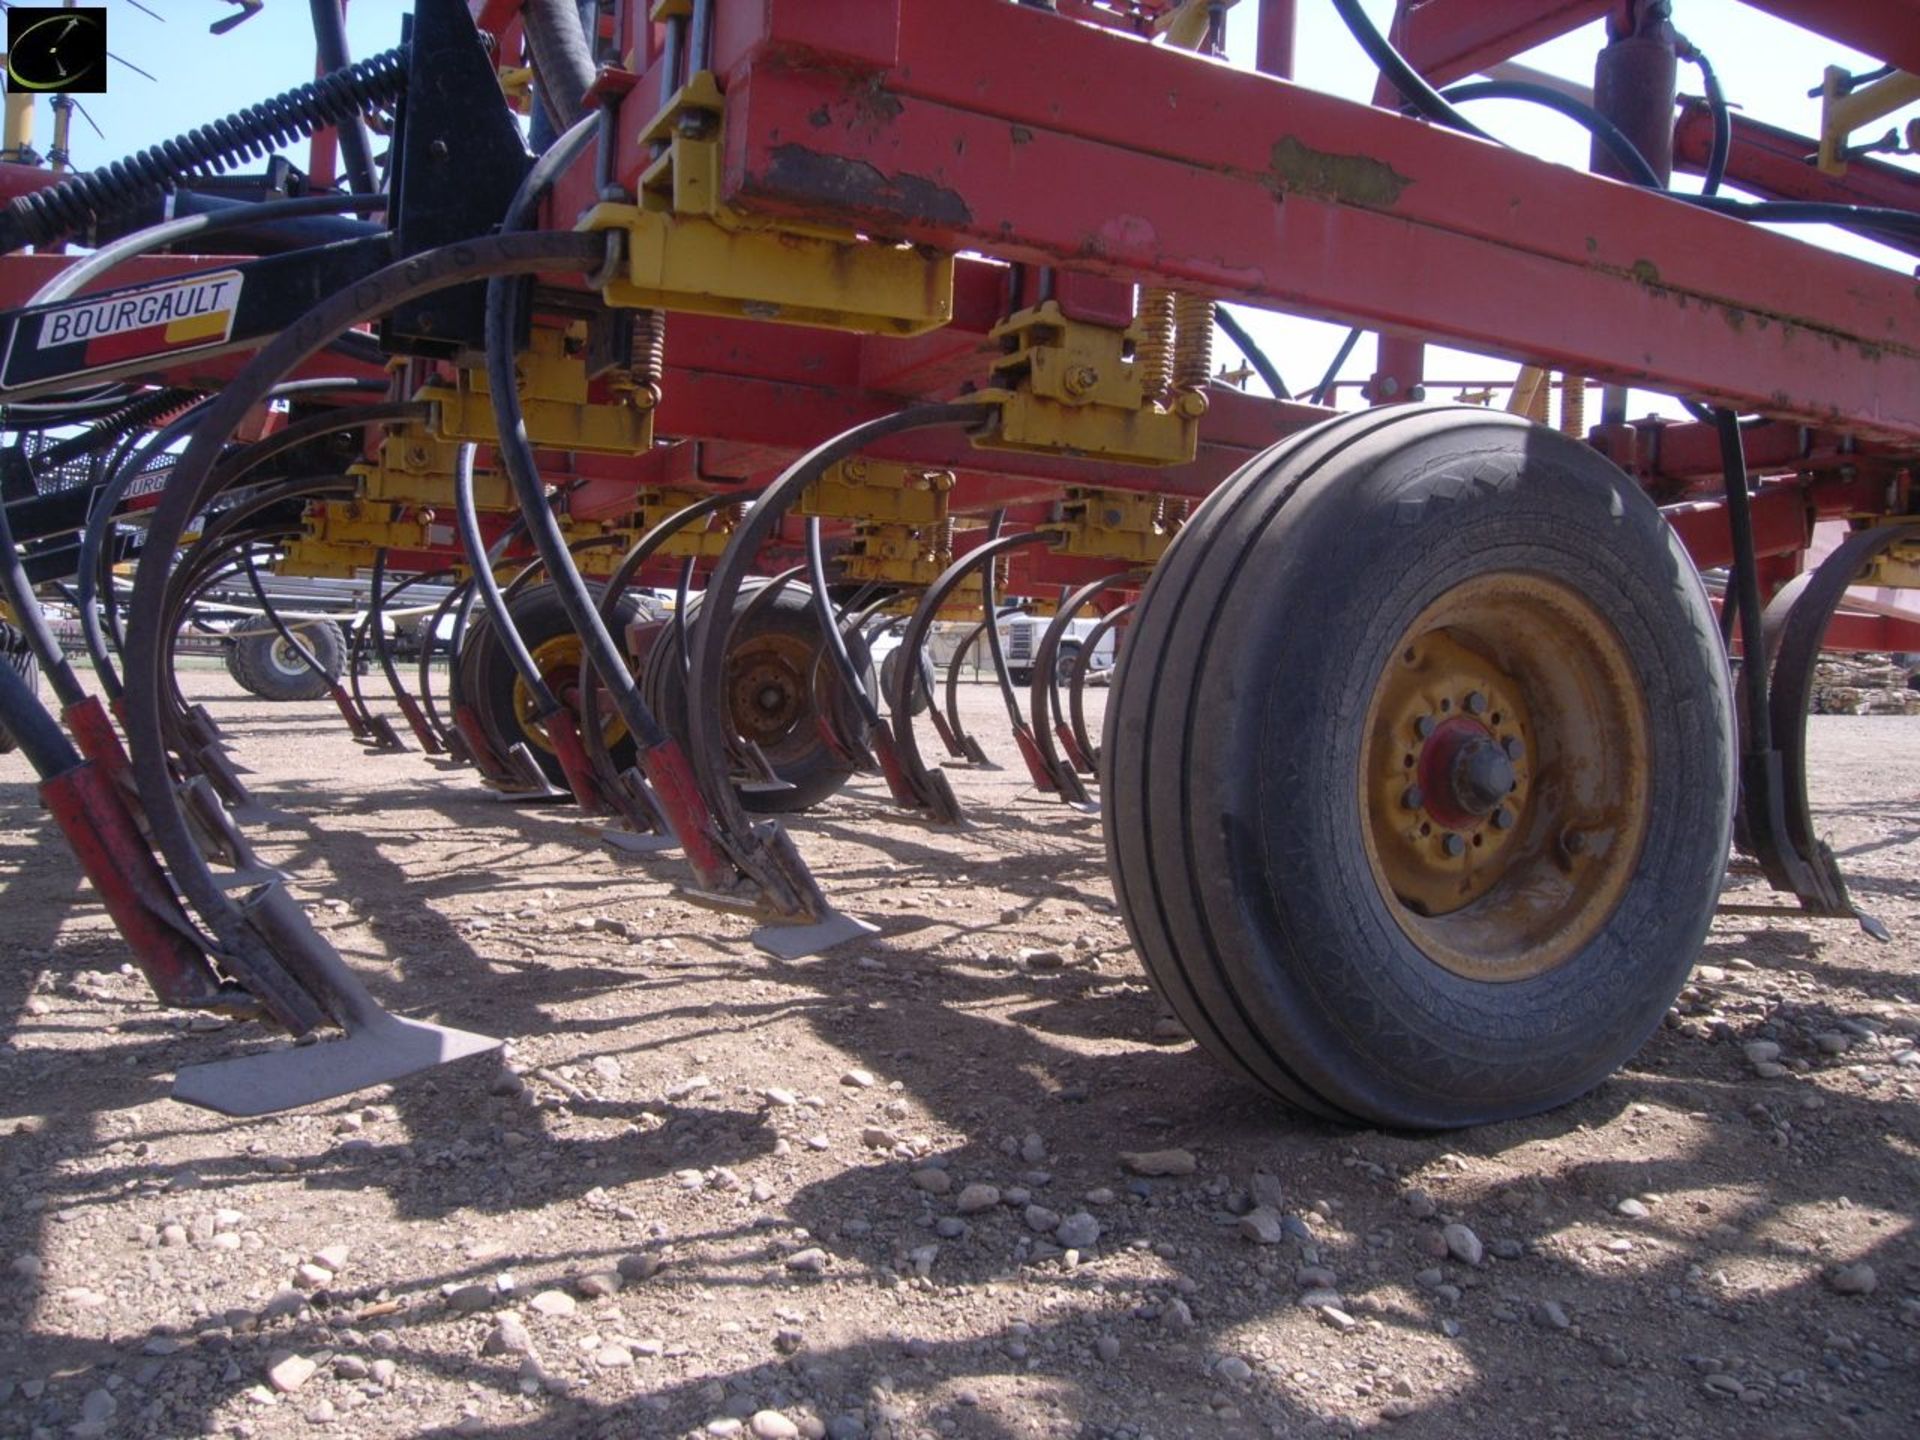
(1463, 1245)
(612, 1357)
(772, 1425)
(509, 1336)
(1633, 1209)
(290, 1372)
(331, 1257)
(810, 1261)
(309, 1276)
(858, 1079)
(1234, 1370)
(1160, 1162)
(554, 1303)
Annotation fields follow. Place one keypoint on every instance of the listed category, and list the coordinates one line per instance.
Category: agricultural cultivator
(779, 333)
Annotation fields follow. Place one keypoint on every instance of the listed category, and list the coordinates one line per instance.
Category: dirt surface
(714, 1193)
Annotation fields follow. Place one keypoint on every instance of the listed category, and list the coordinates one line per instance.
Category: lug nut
(1423, 727)
(1502, 818)
(1475, 702)
(1515, 750)
(1413, 797)
(1453, 844)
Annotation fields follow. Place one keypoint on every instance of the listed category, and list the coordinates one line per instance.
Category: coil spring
(649, 350)
(1193, 342)
(1153, 350)
(249, 134)
(1573, 406)
(149, 409)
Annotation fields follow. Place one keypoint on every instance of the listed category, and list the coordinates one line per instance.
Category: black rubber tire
(922, 694)
(265, 665)
(1064, 659)
(538, 616)
(18, 657)
(1232, 744)
(802, 759)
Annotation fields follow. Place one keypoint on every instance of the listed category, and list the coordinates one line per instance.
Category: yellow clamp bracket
(1126, 525)
(415, 467)
(1068, 387)
(901, 534)
(553, 394)
(1846, 107)
(1897, 568)
(685, 250)
(699, 541)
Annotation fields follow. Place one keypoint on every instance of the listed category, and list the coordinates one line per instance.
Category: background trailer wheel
(267, 666)
(776, 674)
(504, 703)
(1419, 770)
(17, 657)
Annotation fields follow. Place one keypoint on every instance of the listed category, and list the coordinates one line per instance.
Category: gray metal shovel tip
(378, 1047)
(796, 942)
(372, 1053)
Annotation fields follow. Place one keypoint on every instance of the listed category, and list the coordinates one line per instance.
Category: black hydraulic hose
(831, 637)
(37, 733)
(467, 514)
(1249, 347)
(563, 68)
(1323, 392)
(32, 620)
(172, 232)
(1756, 726)
(1599, 126)
(429, 638)
(1412, 86)
(294, 642)
(1722, 147)
(191, 483)
(248, 134)
(330, 43)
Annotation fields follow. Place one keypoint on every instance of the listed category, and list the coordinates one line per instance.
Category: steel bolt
(1502, 818)
(1453, 844)
(1413, 797)
(1475, 702)
(1515, 750)
(1423, 727)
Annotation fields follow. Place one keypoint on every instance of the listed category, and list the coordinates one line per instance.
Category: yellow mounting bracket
(684, 249)
(413, 466)
(1845, 108)
(1897, 568)
(1113, 525)
(901, 534)
(1067, 387)
(553, 394)
(702, 542)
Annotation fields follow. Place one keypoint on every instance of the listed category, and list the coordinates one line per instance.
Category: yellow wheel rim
(558, 661)
(1503, 781)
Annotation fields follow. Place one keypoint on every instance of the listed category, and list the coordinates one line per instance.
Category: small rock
(1761, 1052)
(1831, 1042)
(642, 1266)
(330, 1257)
(598, 1284)
(932, 1181)
(469, 1298)
(1042, 959)
(974, 1198)
(811, 1261)
(382, 1373)
(785, 1099)
(1337, 1318)
(1040, 1219)
(1234, 1370)
(612, 1357)
(1632, 1209)
(290, 1372)
(1160, 1162)
(1854, 1280)
(1177, 1315)
(858, 1079)
(509, 1337)
(28, 1267)
(1315, 1277)
(1550, 1315)
(309, 1276)
(1463, 1245)
(1079, 1231)
(349, 1367)
(772, 1425)
(98, 1407)
(1263, 1226)
(555, 1303)
(875, 1137)
(1107, 1348)
(323, 1413)
(1420, 1205)
(1321, 1299)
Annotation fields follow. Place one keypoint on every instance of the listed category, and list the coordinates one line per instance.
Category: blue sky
(1765, 65)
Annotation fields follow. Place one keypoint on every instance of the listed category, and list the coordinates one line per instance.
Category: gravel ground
(886, 1192)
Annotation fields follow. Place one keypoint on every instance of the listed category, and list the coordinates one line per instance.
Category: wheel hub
(1506, 736)
(558, 661)
(766, 681)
